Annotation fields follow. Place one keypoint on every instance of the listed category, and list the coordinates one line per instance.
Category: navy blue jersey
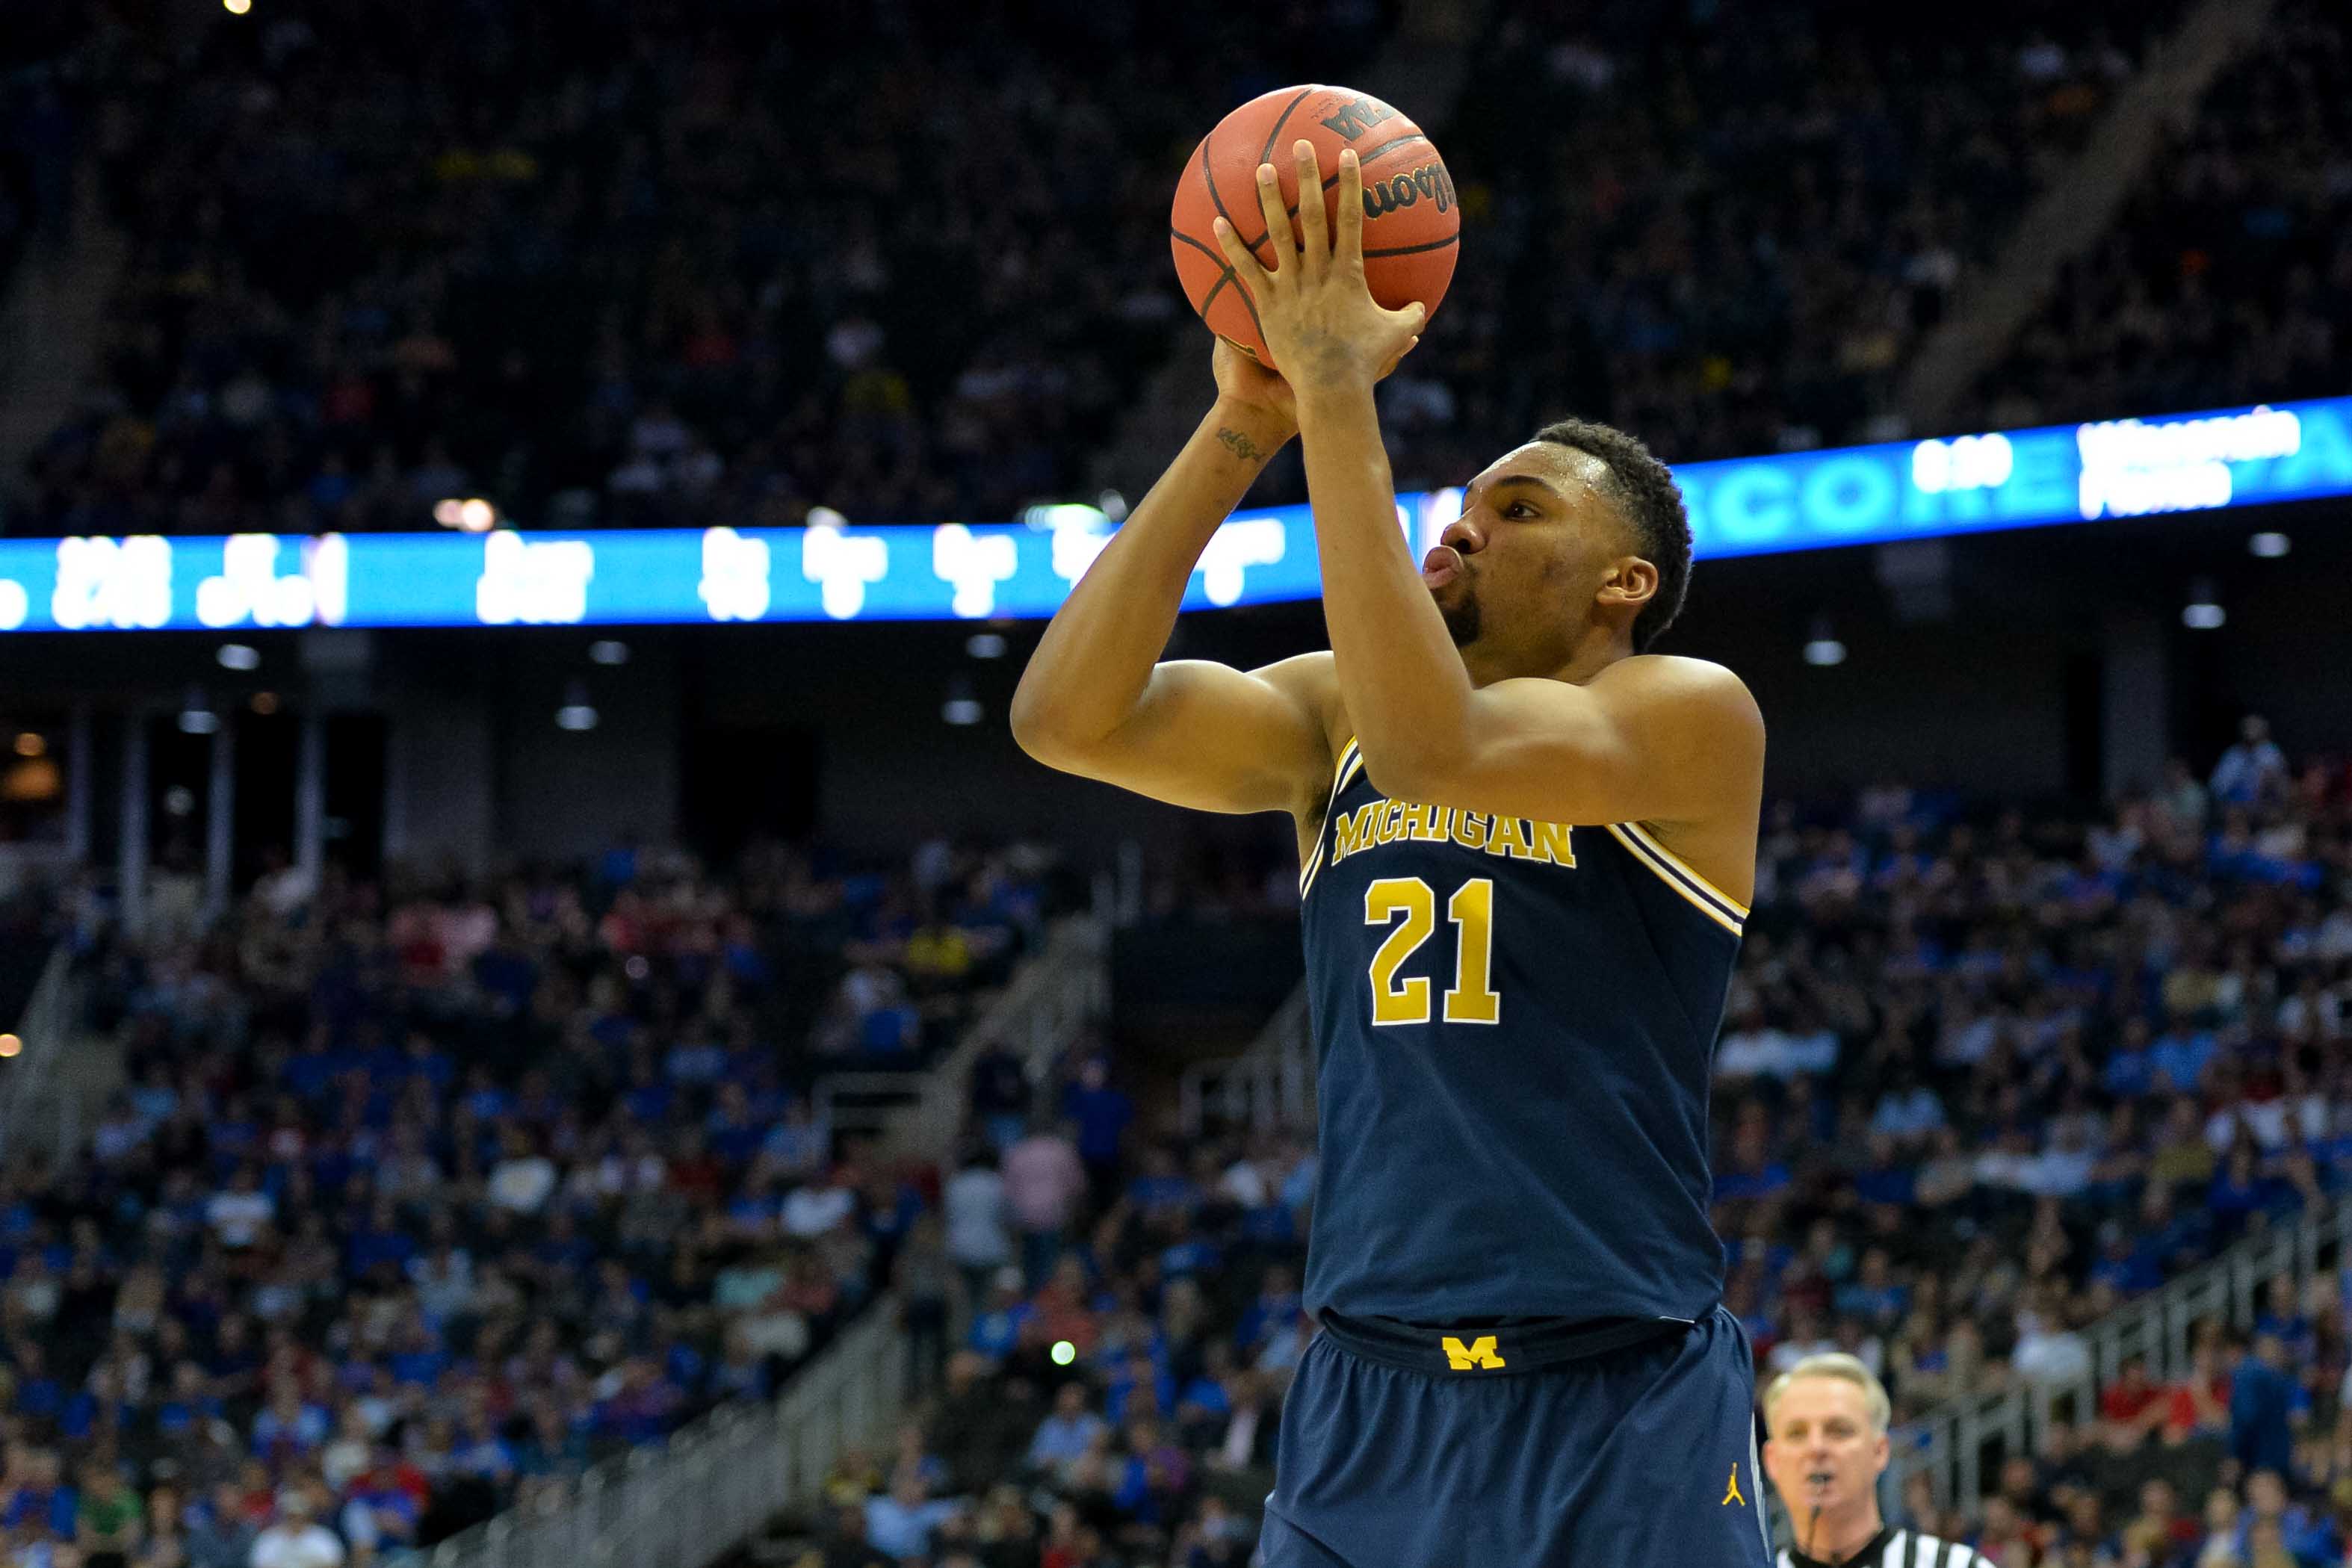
(1514, 1023)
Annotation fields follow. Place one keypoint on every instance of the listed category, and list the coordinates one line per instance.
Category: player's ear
(1630, 581)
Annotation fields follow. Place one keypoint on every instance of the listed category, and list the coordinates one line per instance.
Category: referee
(1826, 1419)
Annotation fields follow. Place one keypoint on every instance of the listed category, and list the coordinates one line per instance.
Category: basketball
(1413, 223)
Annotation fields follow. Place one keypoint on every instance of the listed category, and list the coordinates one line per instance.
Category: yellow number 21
(1470, 998)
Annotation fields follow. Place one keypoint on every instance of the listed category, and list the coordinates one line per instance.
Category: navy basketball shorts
(1643, 1456)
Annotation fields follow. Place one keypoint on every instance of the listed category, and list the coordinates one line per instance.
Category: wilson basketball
(1413, 223)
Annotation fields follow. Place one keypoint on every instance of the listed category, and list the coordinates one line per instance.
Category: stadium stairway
(716, 1489)
(1268, 1087)
(52, 1088)
(1422, 68)
(51, 325)
(2077, 207)
(920, 1114)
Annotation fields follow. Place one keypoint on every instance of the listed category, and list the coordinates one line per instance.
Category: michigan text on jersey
(1386, 821)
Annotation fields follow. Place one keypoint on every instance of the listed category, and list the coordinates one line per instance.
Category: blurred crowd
(2227, 279)
(419, 1200)
(625, 264)
(36, 163)
(1733, 283)
(1982, 1079)
(616, 263)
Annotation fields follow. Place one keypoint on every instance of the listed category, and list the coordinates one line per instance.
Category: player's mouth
(1440, 566)
(1818, 1482)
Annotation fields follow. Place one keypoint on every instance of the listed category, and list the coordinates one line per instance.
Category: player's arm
(1097, 701)
(1649, 739)
(1652, 739)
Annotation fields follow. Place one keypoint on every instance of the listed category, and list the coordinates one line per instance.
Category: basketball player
(1826, 1447)
(1525, 845)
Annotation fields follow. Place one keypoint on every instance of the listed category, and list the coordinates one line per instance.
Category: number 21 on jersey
(1411, 905)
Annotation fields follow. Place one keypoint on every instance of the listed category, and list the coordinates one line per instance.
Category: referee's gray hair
(1844, 1368)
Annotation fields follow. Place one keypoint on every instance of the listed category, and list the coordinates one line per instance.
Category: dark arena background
(549, 1022)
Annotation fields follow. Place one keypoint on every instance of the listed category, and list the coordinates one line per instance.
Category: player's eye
(1519, 510)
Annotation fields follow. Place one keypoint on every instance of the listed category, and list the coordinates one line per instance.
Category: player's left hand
(1321, 324)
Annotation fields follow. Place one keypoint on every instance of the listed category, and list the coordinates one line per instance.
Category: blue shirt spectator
(2262, 1398)
(1102, 1114)
(1066, 1434)
(899, 1524)
(2180, 1057)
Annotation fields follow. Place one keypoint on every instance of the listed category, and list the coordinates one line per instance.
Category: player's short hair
(1845, 1369)
(1645, 491)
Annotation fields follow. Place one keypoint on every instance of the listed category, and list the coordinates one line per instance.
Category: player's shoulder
(1312, 680)
(1314, 675)
(1678, 675)
(1702, 702)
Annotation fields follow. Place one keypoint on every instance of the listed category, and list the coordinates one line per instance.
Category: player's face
(1517, 573)
(1822, 1453)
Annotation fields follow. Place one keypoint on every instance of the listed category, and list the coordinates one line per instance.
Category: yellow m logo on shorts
(1477, 1355)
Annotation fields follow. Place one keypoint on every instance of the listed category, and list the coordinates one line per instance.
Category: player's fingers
(1237, 256)
(1279, 238)
(1347, 246)
(1314, 243)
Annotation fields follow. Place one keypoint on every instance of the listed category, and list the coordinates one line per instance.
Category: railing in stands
(1057, 995)
(1950, 1444)
(1268, 1087)
(30, 1092)
(688, 1502)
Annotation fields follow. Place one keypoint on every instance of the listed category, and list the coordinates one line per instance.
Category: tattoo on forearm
(1241, 446)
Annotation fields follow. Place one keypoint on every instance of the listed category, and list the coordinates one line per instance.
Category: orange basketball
(1412, 225)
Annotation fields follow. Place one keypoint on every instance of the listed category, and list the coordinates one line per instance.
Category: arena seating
(2229, 279)
(36, 131)
(667, 263)
(1732, 283)
(682, 275)
(417, 1201)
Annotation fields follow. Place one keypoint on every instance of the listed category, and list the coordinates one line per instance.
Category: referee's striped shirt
(1896, 1548)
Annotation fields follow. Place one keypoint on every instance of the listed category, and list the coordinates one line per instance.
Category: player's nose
(1463, 535)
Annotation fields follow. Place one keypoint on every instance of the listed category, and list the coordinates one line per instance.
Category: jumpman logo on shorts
(1731, 1492)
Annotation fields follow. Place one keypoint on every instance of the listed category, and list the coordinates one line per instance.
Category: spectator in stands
(2263, 1401)
(296, 1539)
(1000, 1097)
(1069, 1433)
(2159, 1535)
(2254, 769)
(978, 1239)
(1101, 1115)
(2199, 1405)
(900, 1524)
(221, 1531)
(1043, 1183)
